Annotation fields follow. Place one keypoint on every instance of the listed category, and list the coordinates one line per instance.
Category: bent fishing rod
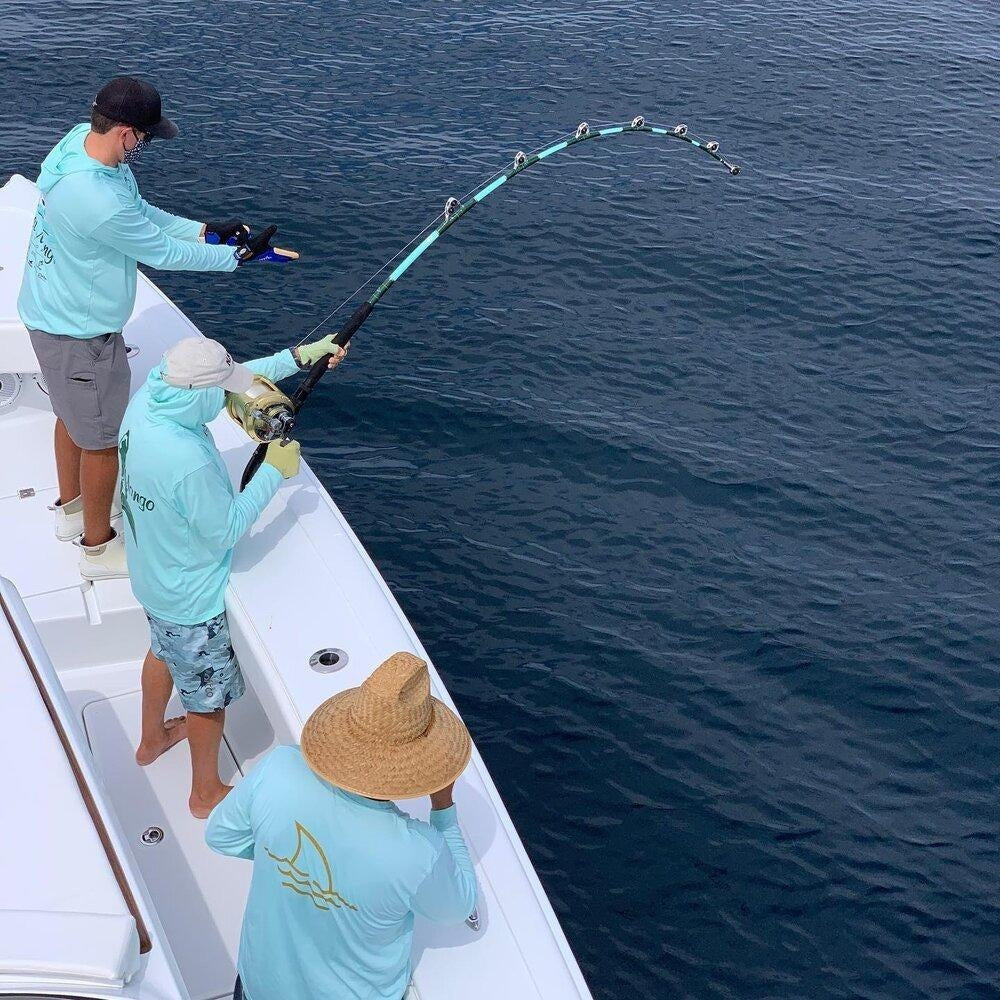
(270, 415)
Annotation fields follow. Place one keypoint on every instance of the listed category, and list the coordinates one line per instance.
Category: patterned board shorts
(201, 661)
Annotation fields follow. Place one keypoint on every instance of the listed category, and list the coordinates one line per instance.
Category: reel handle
(301, 394)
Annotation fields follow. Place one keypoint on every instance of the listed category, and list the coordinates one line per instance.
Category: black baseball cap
(137, 103)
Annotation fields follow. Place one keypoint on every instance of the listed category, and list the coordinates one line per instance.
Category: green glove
(308, 354)
(284, 457)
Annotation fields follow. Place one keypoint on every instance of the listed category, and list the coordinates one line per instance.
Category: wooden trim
(145, 942)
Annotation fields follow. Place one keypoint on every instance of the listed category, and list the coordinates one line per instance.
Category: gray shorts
(88, 382)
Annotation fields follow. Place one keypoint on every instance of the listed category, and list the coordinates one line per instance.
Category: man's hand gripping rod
(309, 383)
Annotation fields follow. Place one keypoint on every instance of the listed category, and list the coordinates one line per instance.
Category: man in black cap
(90, 229)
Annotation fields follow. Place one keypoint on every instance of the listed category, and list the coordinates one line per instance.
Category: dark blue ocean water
(688, 482)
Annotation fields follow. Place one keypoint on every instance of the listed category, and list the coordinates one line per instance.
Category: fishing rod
(268, 415)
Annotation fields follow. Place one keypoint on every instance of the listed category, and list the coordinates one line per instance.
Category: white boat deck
(303, 556)
(180, 866)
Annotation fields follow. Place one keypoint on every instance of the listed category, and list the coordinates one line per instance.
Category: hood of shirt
(69, 157)
(188, 407)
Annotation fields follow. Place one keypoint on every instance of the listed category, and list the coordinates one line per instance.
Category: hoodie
(90, 229)
(182, 517)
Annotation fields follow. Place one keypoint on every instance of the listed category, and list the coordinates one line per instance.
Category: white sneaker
(69, 519)
(103, 562)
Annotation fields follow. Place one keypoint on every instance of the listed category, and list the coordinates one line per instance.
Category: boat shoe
(69, 517)
(105, 561)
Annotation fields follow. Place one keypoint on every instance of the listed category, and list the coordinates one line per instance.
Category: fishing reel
(263, 411)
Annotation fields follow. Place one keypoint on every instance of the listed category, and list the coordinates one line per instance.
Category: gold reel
(263, 411)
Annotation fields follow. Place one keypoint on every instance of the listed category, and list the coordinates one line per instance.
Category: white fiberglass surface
(54, 864)
(198, 895)
(302, 582)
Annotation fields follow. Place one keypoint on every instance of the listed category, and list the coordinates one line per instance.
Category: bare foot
(201, 806)
(174, 730)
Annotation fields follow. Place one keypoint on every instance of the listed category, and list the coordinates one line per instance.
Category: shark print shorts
(201, 661)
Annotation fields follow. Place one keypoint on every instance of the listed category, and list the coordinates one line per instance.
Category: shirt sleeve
(173, 225)
(448, 894)
(130, 232)
(276, 367)
(216, 516)
(229, 829)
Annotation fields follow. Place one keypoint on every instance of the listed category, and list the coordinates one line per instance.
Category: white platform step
(199, 895)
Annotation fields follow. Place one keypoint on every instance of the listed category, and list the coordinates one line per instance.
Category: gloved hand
(284, 457)
(308, 354)
(233, 232)
(259, 248)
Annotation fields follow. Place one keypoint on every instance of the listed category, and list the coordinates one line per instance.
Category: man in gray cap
(91, 228)
(182, 521)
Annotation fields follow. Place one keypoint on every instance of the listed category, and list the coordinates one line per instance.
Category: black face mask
(133, 154)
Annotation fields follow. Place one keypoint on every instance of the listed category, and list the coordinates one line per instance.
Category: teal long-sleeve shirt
(91, 227)
(182, 515)
(337, 881)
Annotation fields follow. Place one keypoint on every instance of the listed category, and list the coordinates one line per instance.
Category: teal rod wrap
(454, 210)
(522, 162)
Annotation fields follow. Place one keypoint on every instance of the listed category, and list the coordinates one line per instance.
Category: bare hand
(443, 799)
(339, 353)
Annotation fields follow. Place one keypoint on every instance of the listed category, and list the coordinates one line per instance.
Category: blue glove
(259, 248)
(234, 233)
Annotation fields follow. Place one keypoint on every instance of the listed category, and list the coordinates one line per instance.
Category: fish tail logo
(126, 507)
(307, 872)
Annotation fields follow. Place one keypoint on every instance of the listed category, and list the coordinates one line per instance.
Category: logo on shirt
(131, 499)
(308, 873)
(39, 252)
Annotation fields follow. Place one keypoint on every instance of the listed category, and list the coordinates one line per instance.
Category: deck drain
(131, 351)
(327, 661)
(152, 835)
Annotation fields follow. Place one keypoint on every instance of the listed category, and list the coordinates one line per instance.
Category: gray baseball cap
(199, 363)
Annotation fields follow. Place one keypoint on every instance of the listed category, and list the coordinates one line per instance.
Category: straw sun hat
(388, 739)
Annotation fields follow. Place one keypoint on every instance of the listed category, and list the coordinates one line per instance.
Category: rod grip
(256, 461)
(354, 321)
(341, 338)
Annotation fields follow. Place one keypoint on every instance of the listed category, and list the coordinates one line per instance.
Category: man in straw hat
(339, 871)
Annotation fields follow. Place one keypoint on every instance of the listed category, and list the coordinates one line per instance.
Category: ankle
(98, 538)
(207, 792)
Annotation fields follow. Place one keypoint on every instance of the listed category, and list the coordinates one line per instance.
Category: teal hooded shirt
(337, 882)
(182, 517)
(90, 228)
